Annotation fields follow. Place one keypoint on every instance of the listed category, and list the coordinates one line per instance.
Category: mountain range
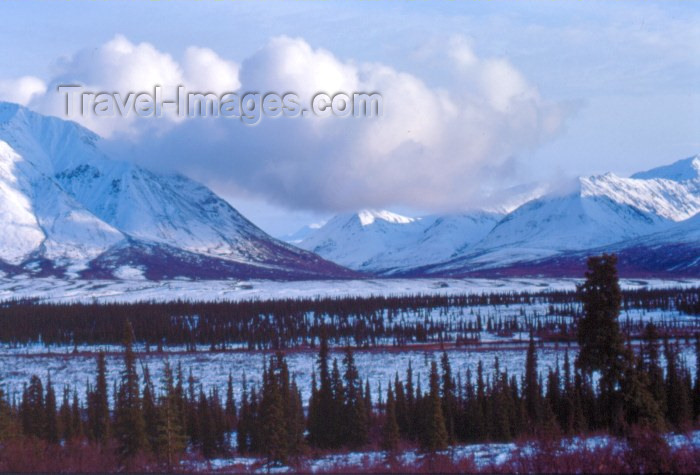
(649, 219)
(67, 209)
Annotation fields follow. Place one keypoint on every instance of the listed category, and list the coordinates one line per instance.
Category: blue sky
(614, 86)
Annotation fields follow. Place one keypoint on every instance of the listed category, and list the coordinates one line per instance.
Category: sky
(481, 98)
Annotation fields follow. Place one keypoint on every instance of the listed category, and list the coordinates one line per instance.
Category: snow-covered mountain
(387, 243)
(65, 207)
(604, 213)
(548, 234)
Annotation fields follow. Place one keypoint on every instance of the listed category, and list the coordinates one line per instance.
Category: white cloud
(434, 147)
(122, 66)
(205, 71)
(21, 90)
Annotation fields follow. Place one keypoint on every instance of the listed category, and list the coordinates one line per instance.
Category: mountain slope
(387, 243)
(551, 234)
(68, 207)
(604, 214)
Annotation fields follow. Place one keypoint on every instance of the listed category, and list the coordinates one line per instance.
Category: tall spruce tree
(355, 423)
(323, 414)
(273, 436)
(150, 411)
(129, 427)
(599, 337)
(434, 436)
(171, 437)
(531, 388)
(390, 431)
(33, 412)
(98, 404)
(51, 427)
(64, 416)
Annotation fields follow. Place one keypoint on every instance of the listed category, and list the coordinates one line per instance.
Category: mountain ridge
(601, 213)
(67, 205)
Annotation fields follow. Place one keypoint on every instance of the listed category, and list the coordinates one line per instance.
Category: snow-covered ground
(212, 369)
(133, 290)
(483, 456)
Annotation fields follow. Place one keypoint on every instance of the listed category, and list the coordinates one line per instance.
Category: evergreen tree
(129, 428)
(390, 432)
(531, 387)
(32, 409)
(207, 433)
(171, 436)
(355, 422)
(150, 411)
(323, 414)
(51, 428)
(449, 401)
(434, 436)
(243, 435)
(601, 343)
(64, 416)
(230, 405)
(272, 428)
(641, 409)
(77, 421)
(650, 365)
(295, 420)
(679, 403)
(98, 404)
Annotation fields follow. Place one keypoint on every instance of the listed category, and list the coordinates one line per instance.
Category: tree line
(358, 321)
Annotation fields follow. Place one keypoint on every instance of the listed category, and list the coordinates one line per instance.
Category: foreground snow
(483, 456)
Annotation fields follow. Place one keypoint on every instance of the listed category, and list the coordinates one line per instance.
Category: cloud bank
(436, 147)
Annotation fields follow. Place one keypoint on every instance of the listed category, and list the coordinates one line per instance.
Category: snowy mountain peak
(675, 200)
(369, 216)
(682, 170)
(66, 208)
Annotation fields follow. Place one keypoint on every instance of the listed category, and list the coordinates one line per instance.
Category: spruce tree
(33, 412)
(434, 436)
(150, 411)
(651, 365)
(129, 428)
(171, 436)
(273, 437)
(230, 405)
(51, 427)
(98, 402)
(355, 423)
(531, 387)
(64, 416)
(243, 435)
(295, 420)
(323, 409)
(390, 431)
(76, 418)
(679, 403)
(207, 433)
(449, 402)
(601, 343)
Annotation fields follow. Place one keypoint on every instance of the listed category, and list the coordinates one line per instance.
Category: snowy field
(60, 290)
(211, 369)
(379, 365)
